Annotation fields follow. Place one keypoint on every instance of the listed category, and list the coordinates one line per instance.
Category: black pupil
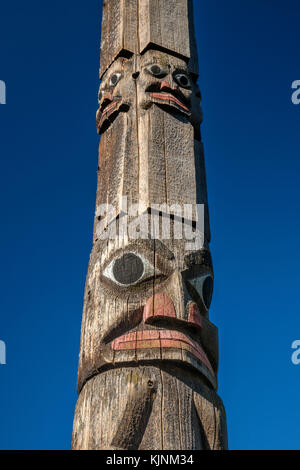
(128, 269)
(114, 79)
(183, 80)
(155, 69)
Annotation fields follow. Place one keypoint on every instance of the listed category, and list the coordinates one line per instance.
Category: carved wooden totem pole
(149, 354)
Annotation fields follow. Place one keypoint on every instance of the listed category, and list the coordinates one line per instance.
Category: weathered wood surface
(119, 31)
(165, 23)
(166, 140)
(118, 167)
(146, 153)
(149, 408)
(148, 360)
(133, 26)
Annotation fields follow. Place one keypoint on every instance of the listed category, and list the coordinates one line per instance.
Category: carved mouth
(108, 106)
(170, 99)
(150, 339)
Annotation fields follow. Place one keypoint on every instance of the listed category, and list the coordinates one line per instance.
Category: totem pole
(149, 354)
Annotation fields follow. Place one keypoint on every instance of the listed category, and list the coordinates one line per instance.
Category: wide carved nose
(161, 307)
(165, 84)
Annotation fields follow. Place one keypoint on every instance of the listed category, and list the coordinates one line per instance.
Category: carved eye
(114, 79)
(100, 95)
(130, 269)
(182, 79)
(156, 70)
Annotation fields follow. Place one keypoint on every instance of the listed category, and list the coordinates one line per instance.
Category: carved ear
(202, 285)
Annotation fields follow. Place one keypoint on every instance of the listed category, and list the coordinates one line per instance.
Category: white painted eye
(130, 269)
(114, 79)
(182, 80)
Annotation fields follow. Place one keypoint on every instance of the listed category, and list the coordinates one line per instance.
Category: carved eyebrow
(150, 244)
(181, 70)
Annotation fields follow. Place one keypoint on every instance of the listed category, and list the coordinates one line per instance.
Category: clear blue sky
(249, 56)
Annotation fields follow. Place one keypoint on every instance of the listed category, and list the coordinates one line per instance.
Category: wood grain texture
(119, 35)
(165, 136)
(133, 26)
(118, 164)
(164, 23)
(148, 408)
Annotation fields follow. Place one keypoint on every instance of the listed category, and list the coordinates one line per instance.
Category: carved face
(165, 81)
(149, 302)
(116, 93)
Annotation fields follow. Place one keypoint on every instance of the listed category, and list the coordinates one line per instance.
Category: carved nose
(107, 97)
(165, 85)
(158, 306)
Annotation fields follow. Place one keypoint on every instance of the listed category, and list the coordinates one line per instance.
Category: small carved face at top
(165, 81)
(116, 93)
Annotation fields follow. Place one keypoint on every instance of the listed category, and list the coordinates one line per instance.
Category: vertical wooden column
(148, 358)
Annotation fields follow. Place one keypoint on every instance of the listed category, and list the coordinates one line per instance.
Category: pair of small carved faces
(155, 78)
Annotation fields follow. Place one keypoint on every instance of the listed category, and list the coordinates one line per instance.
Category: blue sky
(249, 57)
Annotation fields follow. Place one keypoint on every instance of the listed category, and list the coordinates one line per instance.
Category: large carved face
(148, 300)
(116, 93)
(165, 81)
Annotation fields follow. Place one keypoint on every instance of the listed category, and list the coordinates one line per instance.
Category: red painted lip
(169, 97)
(149, 339)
